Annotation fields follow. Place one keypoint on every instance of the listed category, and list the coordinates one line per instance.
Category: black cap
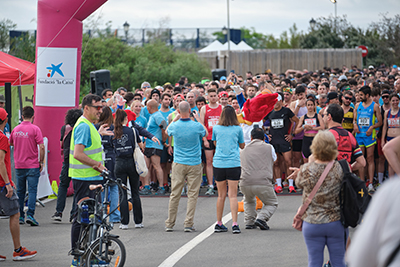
(330, 96)
(155, 91)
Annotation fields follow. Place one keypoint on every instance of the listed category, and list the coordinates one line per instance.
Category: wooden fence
(279, 60)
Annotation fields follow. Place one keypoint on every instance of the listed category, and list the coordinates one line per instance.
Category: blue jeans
(333, 235)
(32, 177)
(113, 198)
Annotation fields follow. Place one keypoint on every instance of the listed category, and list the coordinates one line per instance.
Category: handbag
(297, 220)
(138, 157)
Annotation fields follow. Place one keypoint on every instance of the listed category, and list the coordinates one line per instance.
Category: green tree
(130, 66)
(24, 47)
(324, 35)
(6, 25)
(389, 32)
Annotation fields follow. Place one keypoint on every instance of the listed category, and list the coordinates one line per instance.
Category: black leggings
(125, 167)
(307, 141)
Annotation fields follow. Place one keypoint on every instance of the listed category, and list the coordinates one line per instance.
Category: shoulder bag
(297, 220)
(138, 157)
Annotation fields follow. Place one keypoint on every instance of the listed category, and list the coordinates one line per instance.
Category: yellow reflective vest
(95, 151)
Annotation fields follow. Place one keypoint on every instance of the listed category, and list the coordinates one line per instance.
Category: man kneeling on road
(257, 160)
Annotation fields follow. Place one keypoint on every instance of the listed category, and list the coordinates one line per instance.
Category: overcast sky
(266, 16)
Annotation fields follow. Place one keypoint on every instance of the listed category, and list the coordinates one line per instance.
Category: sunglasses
(348, 98)
(385, 96)
(96, 107)
(146, 86)
(240, 81)
(311, 87)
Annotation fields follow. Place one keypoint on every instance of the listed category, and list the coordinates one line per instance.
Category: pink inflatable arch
(58, 67)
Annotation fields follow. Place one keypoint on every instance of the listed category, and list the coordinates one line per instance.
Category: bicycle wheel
(112, 253)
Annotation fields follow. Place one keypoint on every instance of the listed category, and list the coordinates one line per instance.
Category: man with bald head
(187, 164)
(156, 126)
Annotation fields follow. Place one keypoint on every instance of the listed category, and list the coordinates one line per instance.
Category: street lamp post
(126, 29)
(335, 3)
(312, 24)
(229, 38)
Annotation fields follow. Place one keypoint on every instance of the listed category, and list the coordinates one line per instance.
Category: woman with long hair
(311, 123)
(124, 143)
(66, 132)
(391, 124)
(228, 138)
(106, 117)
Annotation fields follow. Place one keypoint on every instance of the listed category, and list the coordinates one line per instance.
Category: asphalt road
(152, 246)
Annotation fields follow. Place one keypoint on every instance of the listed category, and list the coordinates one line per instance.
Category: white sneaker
(371, 188)
(123, 226)
(139, 225)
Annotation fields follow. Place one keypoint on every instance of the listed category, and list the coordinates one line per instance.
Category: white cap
(343, 77)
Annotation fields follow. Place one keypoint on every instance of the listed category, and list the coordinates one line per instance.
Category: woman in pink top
(311, 123)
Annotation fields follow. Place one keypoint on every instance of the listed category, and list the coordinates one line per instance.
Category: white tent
(243, 46)
(233, 46)
(213, 47)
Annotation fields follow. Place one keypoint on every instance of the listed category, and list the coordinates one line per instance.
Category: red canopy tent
(15, 70)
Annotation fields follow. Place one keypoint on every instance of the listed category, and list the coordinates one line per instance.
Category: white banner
(44, 186)
(56, 77)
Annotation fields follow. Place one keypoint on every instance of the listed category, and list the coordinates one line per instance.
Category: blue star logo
(55, 68)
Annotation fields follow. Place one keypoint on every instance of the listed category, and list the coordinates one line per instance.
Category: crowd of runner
(360, 107)
(369, 99)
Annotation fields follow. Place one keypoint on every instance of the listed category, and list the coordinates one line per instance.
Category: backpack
(353, 196)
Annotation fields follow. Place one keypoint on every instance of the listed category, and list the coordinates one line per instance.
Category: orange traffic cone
(259, 205)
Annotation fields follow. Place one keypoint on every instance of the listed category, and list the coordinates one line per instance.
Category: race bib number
(363, 122)
(393, 122)
(311, 122)
(277, 123)
(212, 122)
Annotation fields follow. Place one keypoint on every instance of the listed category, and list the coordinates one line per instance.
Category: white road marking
(182, 251)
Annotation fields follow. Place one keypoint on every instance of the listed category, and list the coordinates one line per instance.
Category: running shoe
(123, 226)
(160, 191)
(30, 220)
(210, 191)
(21, 220)
(145, 191)
(236, 229)
(23, 254)
(57, 217)
(139, 225)
(76, 262)
(189, 229)
(262, 224)
(220, 228)
(292, 190)
(251, 226)
(2, 258)
(371, 188)
(278, 189)
(169, 229)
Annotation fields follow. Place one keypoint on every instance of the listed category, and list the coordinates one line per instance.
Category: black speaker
(218, 73)
(99, 80)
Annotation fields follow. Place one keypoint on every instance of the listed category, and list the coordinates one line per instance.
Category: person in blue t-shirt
(166, 159)
(187, 164)
(228, 138)
(156, 126)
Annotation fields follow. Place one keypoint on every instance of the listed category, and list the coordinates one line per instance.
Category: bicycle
(97, 245)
